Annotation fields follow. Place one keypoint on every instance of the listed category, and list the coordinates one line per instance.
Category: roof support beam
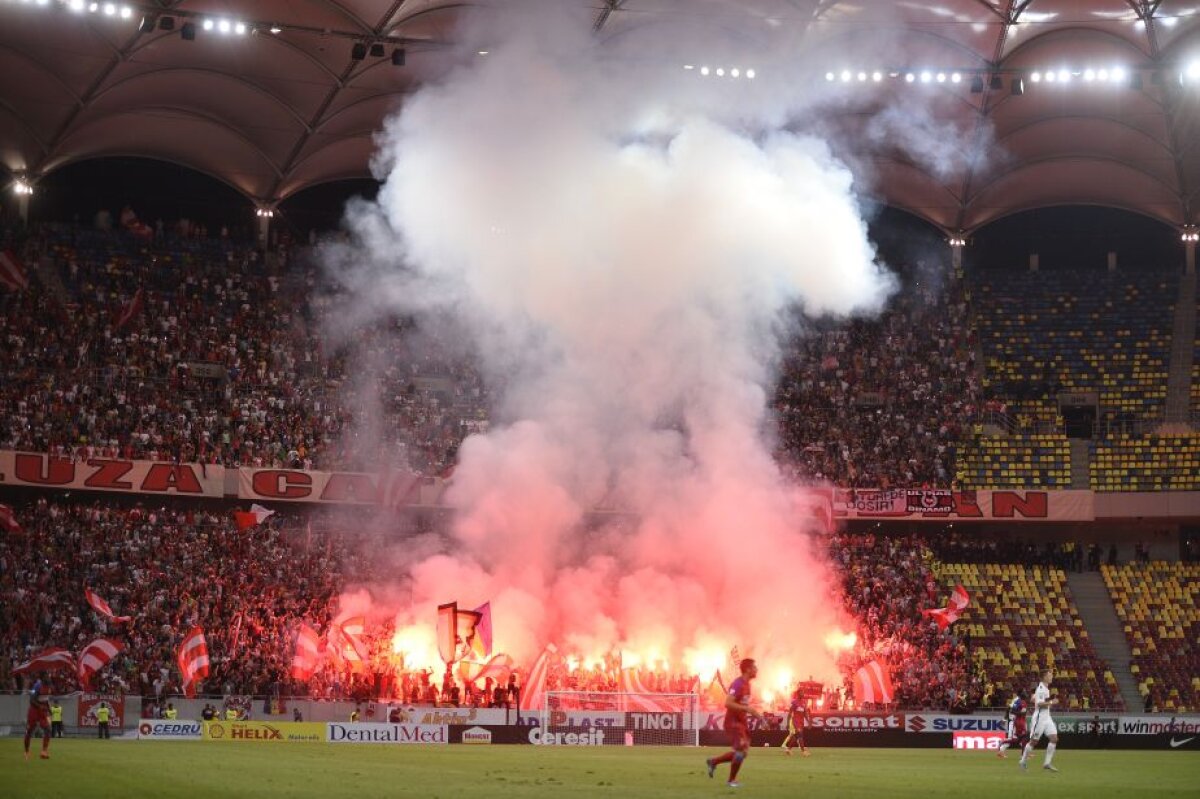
(318, 117)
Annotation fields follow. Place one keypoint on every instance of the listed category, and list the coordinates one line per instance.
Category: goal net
(620, 719)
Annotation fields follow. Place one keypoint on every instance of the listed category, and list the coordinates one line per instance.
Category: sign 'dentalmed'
(373, 733)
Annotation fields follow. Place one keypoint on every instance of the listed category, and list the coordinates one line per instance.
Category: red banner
(89, 702)
(391, 489)
(931, 503)
(110, 474)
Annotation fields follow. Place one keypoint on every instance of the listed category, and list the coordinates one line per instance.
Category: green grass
(133, 769)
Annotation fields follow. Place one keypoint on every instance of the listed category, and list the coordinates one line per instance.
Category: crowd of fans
(200, 350)
(182, 348)
(188, 349)
(886, 582)
(880, 403)
(174, 568)
(170, 570)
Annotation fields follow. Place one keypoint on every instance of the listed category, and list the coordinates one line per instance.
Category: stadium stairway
(1081, 464)
(1105, 631)
(1183, 338)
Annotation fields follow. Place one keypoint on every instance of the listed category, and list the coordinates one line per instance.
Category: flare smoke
(621, 242)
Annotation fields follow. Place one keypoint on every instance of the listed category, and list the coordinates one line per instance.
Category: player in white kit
(1041, 724)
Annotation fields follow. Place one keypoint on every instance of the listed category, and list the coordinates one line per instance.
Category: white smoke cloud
(621, 245)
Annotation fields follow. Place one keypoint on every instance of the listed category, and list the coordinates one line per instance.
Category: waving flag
(465, 624)
(193, 660)
(714, 695)
(447, 631)
(12, 271)
(97, 655)
(872, 684)
(959, 600)
(255, 516)
(498, 668)
(101, 606)
(8, 520)
(640, 697)
(533, 692)
(346, 644)
(54, 658)
(481, 641)
(308, 652)
(131, 309)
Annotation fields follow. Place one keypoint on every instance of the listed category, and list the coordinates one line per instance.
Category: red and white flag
(481, 638)
(346, 644)
(129, 221)
(533, 692)
(498, 668)
(872, 684)
(253, 517)
(12, 271)
(130, 309)
(193, 660)
(8, 520)
(97, 655)
(959, 600)
(639, 698)
(51, 659)
(101, 606)
(308, 652)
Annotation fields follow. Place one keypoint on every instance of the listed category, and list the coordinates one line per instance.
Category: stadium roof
(285, 111)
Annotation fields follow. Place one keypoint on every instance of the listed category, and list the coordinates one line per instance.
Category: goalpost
(621, 719)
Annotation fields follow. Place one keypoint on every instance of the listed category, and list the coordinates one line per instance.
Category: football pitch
(131, 769)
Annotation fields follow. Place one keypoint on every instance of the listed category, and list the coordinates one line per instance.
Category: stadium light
(22, 188)
(1190, 233)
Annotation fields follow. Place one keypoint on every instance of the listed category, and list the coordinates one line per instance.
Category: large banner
(109, 474)
(88, 704)
(391, 489)
(938, 503)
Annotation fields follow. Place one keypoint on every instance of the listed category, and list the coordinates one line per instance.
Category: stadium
(573, 397)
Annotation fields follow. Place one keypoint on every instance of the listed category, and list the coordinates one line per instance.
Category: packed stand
(886, 582)
(202, 350)
(1157, 603)
(882, 403)
(169, 570)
